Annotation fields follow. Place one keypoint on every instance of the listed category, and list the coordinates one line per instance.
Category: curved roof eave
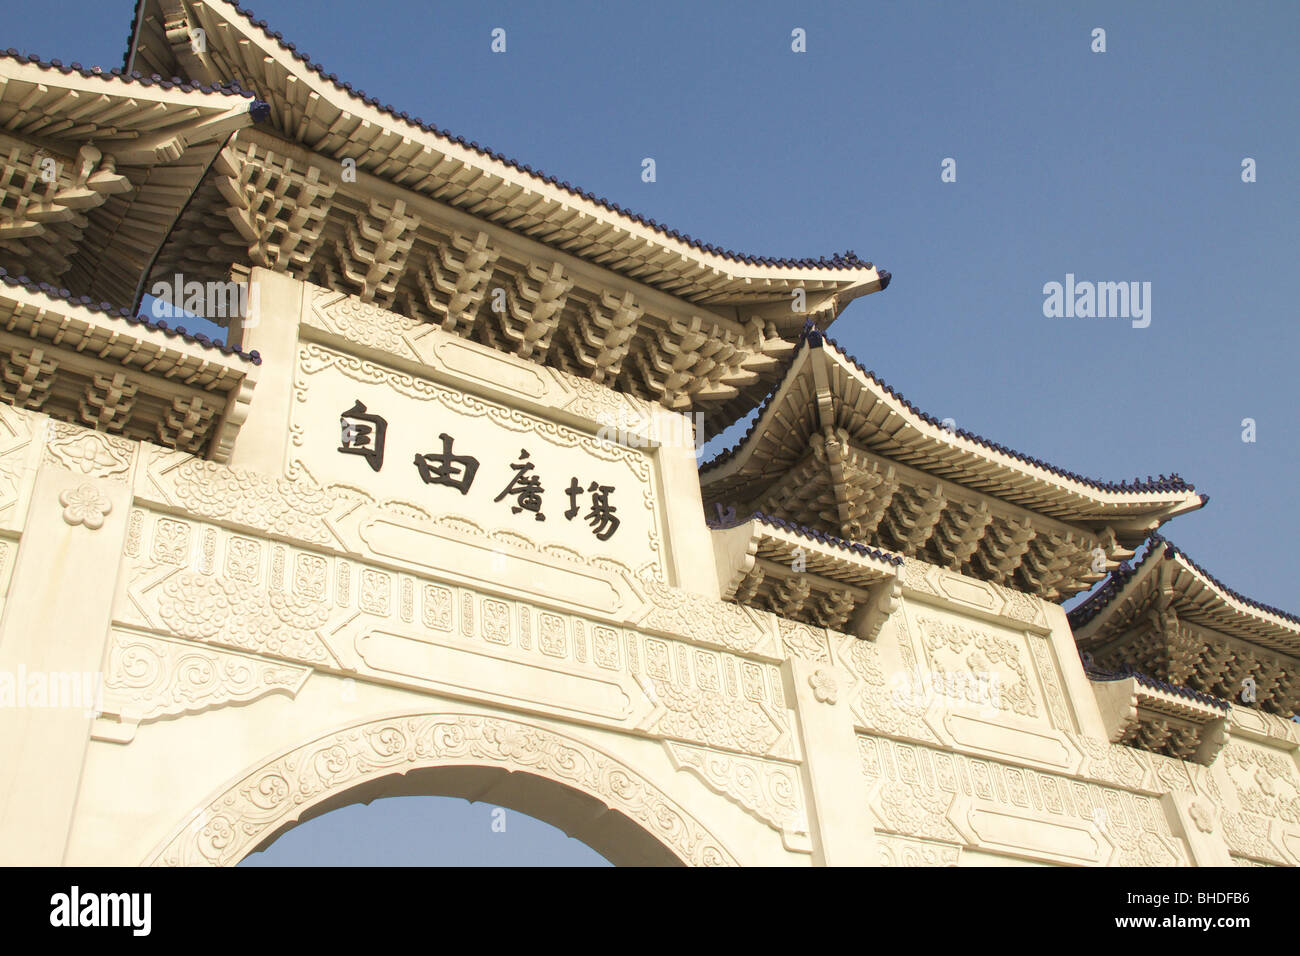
(684, 258)
(1164, 493)
(1087, 616)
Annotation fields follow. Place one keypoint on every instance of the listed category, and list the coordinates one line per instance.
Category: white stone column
(689, 540)
(1200, 824)
(54, 635)
(840, 822)
(271, 330)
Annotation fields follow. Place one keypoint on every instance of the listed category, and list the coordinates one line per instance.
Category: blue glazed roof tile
(105, 308)
(1158, 545)
(120, 76)
(806, 532)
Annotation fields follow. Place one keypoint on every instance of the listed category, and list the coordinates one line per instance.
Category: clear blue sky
(1115, 166)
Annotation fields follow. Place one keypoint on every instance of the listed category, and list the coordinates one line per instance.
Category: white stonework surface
(297, 630)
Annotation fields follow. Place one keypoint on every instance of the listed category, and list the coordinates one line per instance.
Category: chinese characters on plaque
(364, 434)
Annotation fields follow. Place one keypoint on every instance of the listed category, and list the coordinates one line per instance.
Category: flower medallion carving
(85, 505)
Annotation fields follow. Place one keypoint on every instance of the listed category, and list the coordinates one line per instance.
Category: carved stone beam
(31, 204)
(108, 402)
(835, 608)
(662, 377)
(1045, 568)
(168, 146)
(602, 338)
(28, 377)
(875, 508)
(787, 597)
(186, 425)
(884, 598)
(960, 532)
(455, 280)
(749, 585)
(277, 209)
(1003, 551)
(536, 304)
(763, 352)
(374, 256)
(689, 349)
(189, 47)
(914, 529)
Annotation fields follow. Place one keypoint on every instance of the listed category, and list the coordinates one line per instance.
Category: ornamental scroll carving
(896, 706)
(294, 509)
(904, 851)
(16, 430)
(150, 678)
(768, 791)
(716, 622)
(714, 718)
(245, 616)
(980, 652)
(239, 818)
(87, 452)
(924, 792)
(1257, 790)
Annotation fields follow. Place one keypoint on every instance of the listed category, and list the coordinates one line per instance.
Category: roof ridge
(816, 338)
(119, 73)
(848, 260)
(805, 531)
(1158, 544)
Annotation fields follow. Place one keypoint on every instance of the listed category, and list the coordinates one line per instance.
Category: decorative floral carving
(310, 573)
(977, 651)
(904, 851)
(224, 611)
(437, 607)
(240, 817)
(767, 790)
(605, 647)
(496, 621)
(85, 505)
(714, 622)
(825, 688)
(90, 453)
(171, 541)
(922, 789)
(1202, 816)
(293, 509)
(714, 718)
(800, 640)
(364, 323)
(150, 678)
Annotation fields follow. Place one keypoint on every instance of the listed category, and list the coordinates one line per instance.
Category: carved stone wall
(280, 638)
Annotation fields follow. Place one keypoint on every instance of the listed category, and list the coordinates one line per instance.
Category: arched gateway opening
(534, 770)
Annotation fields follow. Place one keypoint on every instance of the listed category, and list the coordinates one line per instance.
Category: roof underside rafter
(837, 450)
(120, 375)
(1169, 618)
(97, 166)
(430, 226)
